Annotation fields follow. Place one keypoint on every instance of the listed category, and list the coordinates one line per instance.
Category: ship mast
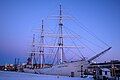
(42, 60)
(60, 41)
(33, 52)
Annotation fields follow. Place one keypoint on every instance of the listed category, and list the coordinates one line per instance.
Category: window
(100, 72)
(105, 72)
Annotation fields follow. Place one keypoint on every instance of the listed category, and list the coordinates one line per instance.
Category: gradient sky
(19, 17)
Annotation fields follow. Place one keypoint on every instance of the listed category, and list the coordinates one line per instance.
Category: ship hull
(73, 69)
(27, 70)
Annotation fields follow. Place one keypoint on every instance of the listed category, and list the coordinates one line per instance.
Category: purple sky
(19, 17)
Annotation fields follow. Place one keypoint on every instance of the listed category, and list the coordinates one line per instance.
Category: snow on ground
(5, 75)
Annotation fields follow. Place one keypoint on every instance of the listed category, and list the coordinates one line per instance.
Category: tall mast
(33, 51)
(60, 41)
(42, 60)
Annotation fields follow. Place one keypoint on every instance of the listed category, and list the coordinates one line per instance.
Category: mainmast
(42, 60)
(60, 41)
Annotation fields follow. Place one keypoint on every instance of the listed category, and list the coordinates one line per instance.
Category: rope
(75, 45)
(85, 28)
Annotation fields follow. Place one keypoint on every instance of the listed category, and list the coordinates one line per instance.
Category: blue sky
(19, 17)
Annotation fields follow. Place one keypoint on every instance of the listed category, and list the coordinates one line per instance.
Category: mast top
(33, 39)
(42, 21)
(60, 9)
(42, 26)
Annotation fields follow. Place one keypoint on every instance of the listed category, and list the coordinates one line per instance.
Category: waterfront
(6, 75)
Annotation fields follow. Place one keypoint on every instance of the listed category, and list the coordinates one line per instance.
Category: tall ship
(49, 53)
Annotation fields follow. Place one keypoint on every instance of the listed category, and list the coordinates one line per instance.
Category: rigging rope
(76, 46)
(84, 38)
(86, 45)
(91, 33)
(84, 27)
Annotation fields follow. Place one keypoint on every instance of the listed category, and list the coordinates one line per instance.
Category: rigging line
(93, 43)
(54, 48)
(54, 45)
(52, 11)
(85, 38)
(78, 50)
(86, 46)
(54, 58)
(50, 29)
(52, 51)
(47, 43)
(75, 45)
(67, 51)
(46, 18)
(91, 33)
(53, 32)
(74, 55)
(57, 54)
(72, 58)
(68, 11)
(57, 50)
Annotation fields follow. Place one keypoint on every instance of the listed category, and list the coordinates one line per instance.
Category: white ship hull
(27, 70)
(65, 69)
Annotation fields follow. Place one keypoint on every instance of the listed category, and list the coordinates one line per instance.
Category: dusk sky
(19, 17)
